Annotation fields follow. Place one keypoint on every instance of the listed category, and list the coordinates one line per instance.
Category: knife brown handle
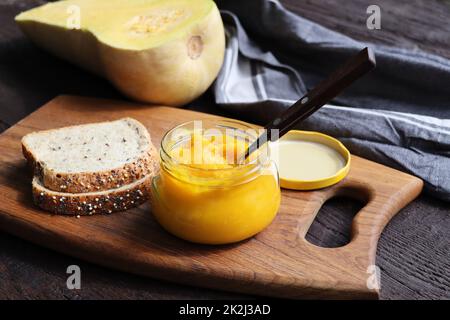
(345, 75)
(325, 91)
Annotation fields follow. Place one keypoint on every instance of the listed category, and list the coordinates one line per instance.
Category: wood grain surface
(277, 262)
(413, 250)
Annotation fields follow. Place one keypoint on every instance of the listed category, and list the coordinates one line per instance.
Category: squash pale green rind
(159, 51)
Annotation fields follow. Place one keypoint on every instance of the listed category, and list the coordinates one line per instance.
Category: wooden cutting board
(276, 262)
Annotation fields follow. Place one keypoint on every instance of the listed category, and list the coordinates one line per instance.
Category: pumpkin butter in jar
(203, 194)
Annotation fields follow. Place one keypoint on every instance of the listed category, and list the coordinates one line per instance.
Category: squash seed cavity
(156, 22)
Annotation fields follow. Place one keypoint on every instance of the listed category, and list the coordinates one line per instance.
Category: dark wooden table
(413, 252)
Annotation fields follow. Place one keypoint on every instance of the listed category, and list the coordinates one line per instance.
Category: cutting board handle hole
(332, 225)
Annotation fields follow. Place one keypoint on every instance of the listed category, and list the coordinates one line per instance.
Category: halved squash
(158, 51)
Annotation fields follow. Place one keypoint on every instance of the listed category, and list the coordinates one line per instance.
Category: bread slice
(91, 157)
(102, 202)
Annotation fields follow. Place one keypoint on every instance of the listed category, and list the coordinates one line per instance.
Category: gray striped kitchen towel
(394, 116)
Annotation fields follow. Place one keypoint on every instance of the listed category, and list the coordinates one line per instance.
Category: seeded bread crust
(87, 204)
(85, 182)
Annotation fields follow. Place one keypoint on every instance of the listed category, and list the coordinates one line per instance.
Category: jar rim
(253, 163)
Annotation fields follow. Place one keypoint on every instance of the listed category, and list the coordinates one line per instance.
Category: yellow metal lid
(299, 164)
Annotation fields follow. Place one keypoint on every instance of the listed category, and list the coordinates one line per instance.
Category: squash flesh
(160, 51)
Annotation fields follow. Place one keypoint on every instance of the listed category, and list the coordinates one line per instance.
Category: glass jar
(214, 202)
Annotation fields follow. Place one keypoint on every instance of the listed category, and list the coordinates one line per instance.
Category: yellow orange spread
(203, 196)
